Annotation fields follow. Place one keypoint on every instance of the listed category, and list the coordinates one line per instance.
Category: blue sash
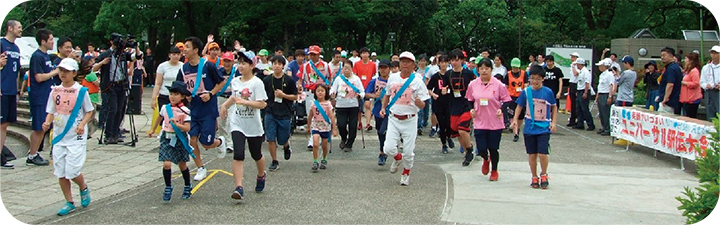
(531, 107)
(357, 90)
(198, 76)
(217, 62)
(475, 72)
(325, 117)
(180, 135)
(73, 115)
(384, 124)
(227, 82)
(319, 73)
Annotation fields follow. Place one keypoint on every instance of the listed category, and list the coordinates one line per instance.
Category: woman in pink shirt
(487, 95)
(690, 93)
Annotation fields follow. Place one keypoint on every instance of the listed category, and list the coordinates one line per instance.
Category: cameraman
(113, 66)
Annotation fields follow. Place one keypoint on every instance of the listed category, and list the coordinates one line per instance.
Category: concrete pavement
(590, 182)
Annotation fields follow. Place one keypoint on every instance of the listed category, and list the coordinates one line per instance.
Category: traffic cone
(568, 103)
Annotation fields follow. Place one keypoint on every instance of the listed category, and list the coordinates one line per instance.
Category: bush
(700, 204)
(640, 93)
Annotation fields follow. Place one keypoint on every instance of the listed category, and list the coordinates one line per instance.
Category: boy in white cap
(401, 111)
(69, 110)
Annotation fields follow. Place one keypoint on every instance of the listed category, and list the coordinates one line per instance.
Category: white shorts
(68, 160)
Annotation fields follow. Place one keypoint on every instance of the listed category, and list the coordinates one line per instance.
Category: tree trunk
(189, 18)
(587, 12)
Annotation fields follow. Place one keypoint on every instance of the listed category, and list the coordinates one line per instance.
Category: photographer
(113, 66)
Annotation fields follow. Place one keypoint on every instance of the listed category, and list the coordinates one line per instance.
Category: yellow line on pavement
(226, 172)
(203, 182)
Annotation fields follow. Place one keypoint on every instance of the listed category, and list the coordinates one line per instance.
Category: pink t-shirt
(318, 121)
(486, 100)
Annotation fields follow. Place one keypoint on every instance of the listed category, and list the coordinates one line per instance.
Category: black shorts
(488, 139)
(254, 145)
(537, 143)
(8, 108)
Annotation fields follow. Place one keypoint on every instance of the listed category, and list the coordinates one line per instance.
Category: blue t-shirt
(371, 89)
(198, 109)
(674, 75)
(294, 68)
(541, 97)
(56, 62)
(9, 73)
(40, 63)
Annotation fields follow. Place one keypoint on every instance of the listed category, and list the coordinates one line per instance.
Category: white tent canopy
(27, 46)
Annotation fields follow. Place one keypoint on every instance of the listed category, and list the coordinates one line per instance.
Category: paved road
(592, 181)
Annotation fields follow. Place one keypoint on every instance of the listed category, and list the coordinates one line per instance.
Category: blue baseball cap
(628, 59)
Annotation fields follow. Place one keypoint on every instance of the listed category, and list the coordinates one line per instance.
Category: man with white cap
(573, 88)
(374, 59)
(604, 98)
(401, 110)
(710, 82)
(584, 80)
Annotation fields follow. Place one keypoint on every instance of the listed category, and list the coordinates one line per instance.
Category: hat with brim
(407, 55)
(715, 48)
(314, 49)
(69, 64)
(179, 87)
(248, 57)
(652, 62)
(384, 62)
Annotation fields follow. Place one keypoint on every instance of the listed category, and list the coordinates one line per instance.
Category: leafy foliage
(698, 204)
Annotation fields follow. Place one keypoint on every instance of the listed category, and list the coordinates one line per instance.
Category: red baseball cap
(314, 49)
(228, 56)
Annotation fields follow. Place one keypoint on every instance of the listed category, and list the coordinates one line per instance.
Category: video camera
(121, 43)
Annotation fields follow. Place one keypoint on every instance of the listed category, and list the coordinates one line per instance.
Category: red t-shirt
(365, 71)
(308, 75)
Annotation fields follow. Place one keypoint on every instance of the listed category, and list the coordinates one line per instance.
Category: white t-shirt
(346, 96)
(432, 71)
(606, 79)
(61, 103)
(499, 70)
(354, 59)
(181, 114)
(405, 105)
(169, 73)
(615, 64)
(263, 66)
(584, 78)
(573, 78)
(245, 118)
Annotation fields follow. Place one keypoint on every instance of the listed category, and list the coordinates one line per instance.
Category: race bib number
(457, 94)
(64, 100)
(190, 83)
(484, 102)
(540, 110)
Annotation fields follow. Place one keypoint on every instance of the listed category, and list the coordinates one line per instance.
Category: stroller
(299, 118)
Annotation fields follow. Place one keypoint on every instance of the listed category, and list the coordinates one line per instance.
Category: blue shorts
(277, 130)
(537, 143)
(38, 115)
(488, 139)
(8, 109)
(204, 130)
(323, 135)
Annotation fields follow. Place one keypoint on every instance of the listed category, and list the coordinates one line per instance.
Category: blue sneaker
(450, 143)
(462, 150)
(433, 131)
(187, 192)
(445, 149)
(260, 183)
(382, 158)
(67, 209)
(168, 193)
(238, 193)
(85, 197)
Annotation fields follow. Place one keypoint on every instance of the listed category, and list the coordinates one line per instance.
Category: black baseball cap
(384, 62)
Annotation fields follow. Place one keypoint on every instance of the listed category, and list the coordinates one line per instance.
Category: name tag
(278, 99)
(457, 94)
(364, 77)
(484, 102)
(518, 89)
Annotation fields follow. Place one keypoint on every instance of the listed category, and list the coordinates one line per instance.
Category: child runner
(69, 110)
(487, 95)
(348, 93)
(460, 117)
(204, 85)
(516, 80)
(278, 112)
(439, 85)
(248, 98)
(174, 146)
(227, 71)
(539, 124)
(404, 97)
(375, 90)
(321, 121)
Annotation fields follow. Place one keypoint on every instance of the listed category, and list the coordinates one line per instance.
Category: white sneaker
(394, 166)
(222, 148)
(201, 174)
(404, 180)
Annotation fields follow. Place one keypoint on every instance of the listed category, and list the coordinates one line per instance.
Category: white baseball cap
(373, 54)
(575, 54)
(432, 58)
(604, 62)
(69, 64)
(407, 55)
(715, 48)
(580, 61)
(472, 59)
